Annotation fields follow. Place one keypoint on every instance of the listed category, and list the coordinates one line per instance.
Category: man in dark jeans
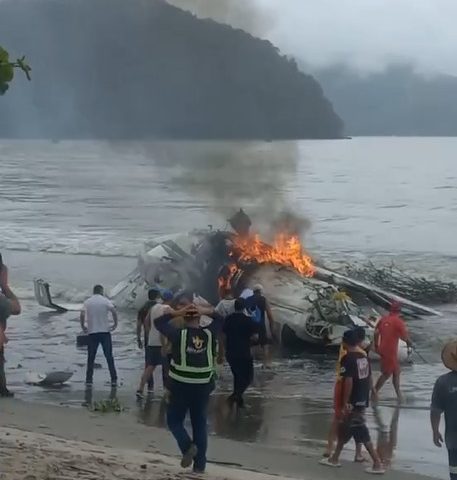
(240, 331)
(191, 379)
(95, 313)
(444, 400)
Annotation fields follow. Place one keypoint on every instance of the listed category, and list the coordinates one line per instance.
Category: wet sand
(66, 443)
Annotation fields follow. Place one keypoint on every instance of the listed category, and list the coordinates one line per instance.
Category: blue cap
(167, 295)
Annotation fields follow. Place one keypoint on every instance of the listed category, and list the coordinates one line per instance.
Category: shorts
(153, 356)
(389, 365)
(354, 426)
(338, 399)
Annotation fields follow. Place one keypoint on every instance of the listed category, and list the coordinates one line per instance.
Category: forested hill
(146, 69)
(397, 101)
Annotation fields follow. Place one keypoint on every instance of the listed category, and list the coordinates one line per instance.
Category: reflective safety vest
(196, 364)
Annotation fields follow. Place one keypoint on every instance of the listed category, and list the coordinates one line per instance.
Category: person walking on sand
(260, 310)
(356, 373)
(444, 400)
(338, 405)
(143, 326)
(191, 379)
(239, 333)
(95, 313)
(155, 342)
(388, 333)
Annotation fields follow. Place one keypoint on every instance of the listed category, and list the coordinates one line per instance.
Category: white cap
(257, 288)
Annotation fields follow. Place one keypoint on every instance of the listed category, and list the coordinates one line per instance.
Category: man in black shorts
(357, 383)
(444, 400)
(143, 326)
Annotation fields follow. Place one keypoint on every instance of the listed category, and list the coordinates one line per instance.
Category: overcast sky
(367, 33)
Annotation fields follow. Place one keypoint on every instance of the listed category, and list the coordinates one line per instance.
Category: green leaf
(4, 56)
(6, 72)
(3, 88)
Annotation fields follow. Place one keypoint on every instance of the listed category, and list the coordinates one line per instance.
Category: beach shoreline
(116, 446)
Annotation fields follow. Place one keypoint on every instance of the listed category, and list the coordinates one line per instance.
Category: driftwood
(392, 278)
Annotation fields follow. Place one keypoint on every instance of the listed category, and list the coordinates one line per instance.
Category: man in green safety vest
(191, 379)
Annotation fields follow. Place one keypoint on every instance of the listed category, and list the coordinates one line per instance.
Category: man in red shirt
(390, 329)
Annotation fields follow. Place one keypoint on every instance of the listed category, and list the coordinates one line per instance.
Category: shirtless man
(9, 305)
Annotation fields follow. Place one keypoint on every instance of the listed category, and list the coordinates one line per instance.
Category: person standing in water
(444, 400)
(191, 379)
(338, 397)
(356, 373)
(9, 305)
(260, 310)
(240, 331)
(388, 333)
(95, 313)
(154, 342)
(143, 326)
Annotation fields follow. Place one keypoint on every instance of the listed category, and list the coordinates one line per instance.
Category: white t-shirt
(225, 307)
(97, 309)
(156, 311)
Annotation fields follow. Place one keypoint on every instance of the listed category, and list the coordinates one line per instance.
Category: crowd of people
(189, 338)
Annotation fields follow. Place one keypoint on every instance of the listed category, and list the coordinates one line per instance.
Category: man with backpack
(259, 308)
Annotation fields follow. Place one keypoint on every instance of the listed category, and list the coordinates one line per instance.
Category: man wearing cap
(191, 379)
(444, 400)
(153, 346)
(9, 305)
(388, 333)
(260, 310)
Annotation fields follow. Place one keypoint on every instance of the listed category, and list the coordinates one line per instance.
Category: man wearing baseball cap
(444, 400)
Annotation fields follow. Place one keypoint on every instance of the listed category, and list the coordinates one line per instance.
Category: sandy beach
(57, 443)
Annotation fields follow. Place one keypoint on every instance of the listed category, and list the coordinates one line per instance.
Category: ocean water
(77, 213)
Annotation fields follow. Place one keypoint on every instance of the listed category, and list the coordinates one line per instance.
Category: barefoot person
(356, 373)
(96, 314)
(338, 400)
(9, 305)
(444, 400)
(143, 326)
(191, 380)
(154, 342)
(388, 333)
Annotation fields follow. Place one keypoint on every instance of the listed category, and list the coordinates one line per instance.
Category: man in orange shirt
(390, 329)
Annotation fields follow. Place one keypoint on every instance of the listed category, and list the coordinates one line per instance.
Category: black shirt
(444, 399)
(356, 365)
(238, 329)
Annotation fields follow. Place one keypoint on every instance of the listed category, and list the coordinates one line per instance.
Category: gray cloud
(366, 34)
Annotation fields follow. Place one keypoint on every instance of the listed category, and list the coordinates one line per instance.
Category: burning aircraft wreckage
(312, 305)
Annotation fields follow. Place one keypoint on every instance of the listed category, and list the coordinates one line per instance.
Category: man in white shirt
(96, 314)
(154, 356)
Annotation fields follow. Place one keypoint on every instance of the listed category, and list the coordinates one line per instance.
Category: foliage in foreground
(7, 68)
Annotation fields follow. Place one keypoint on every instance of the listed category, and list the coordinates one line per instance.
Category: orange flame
(286, 250)
(225, 281)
